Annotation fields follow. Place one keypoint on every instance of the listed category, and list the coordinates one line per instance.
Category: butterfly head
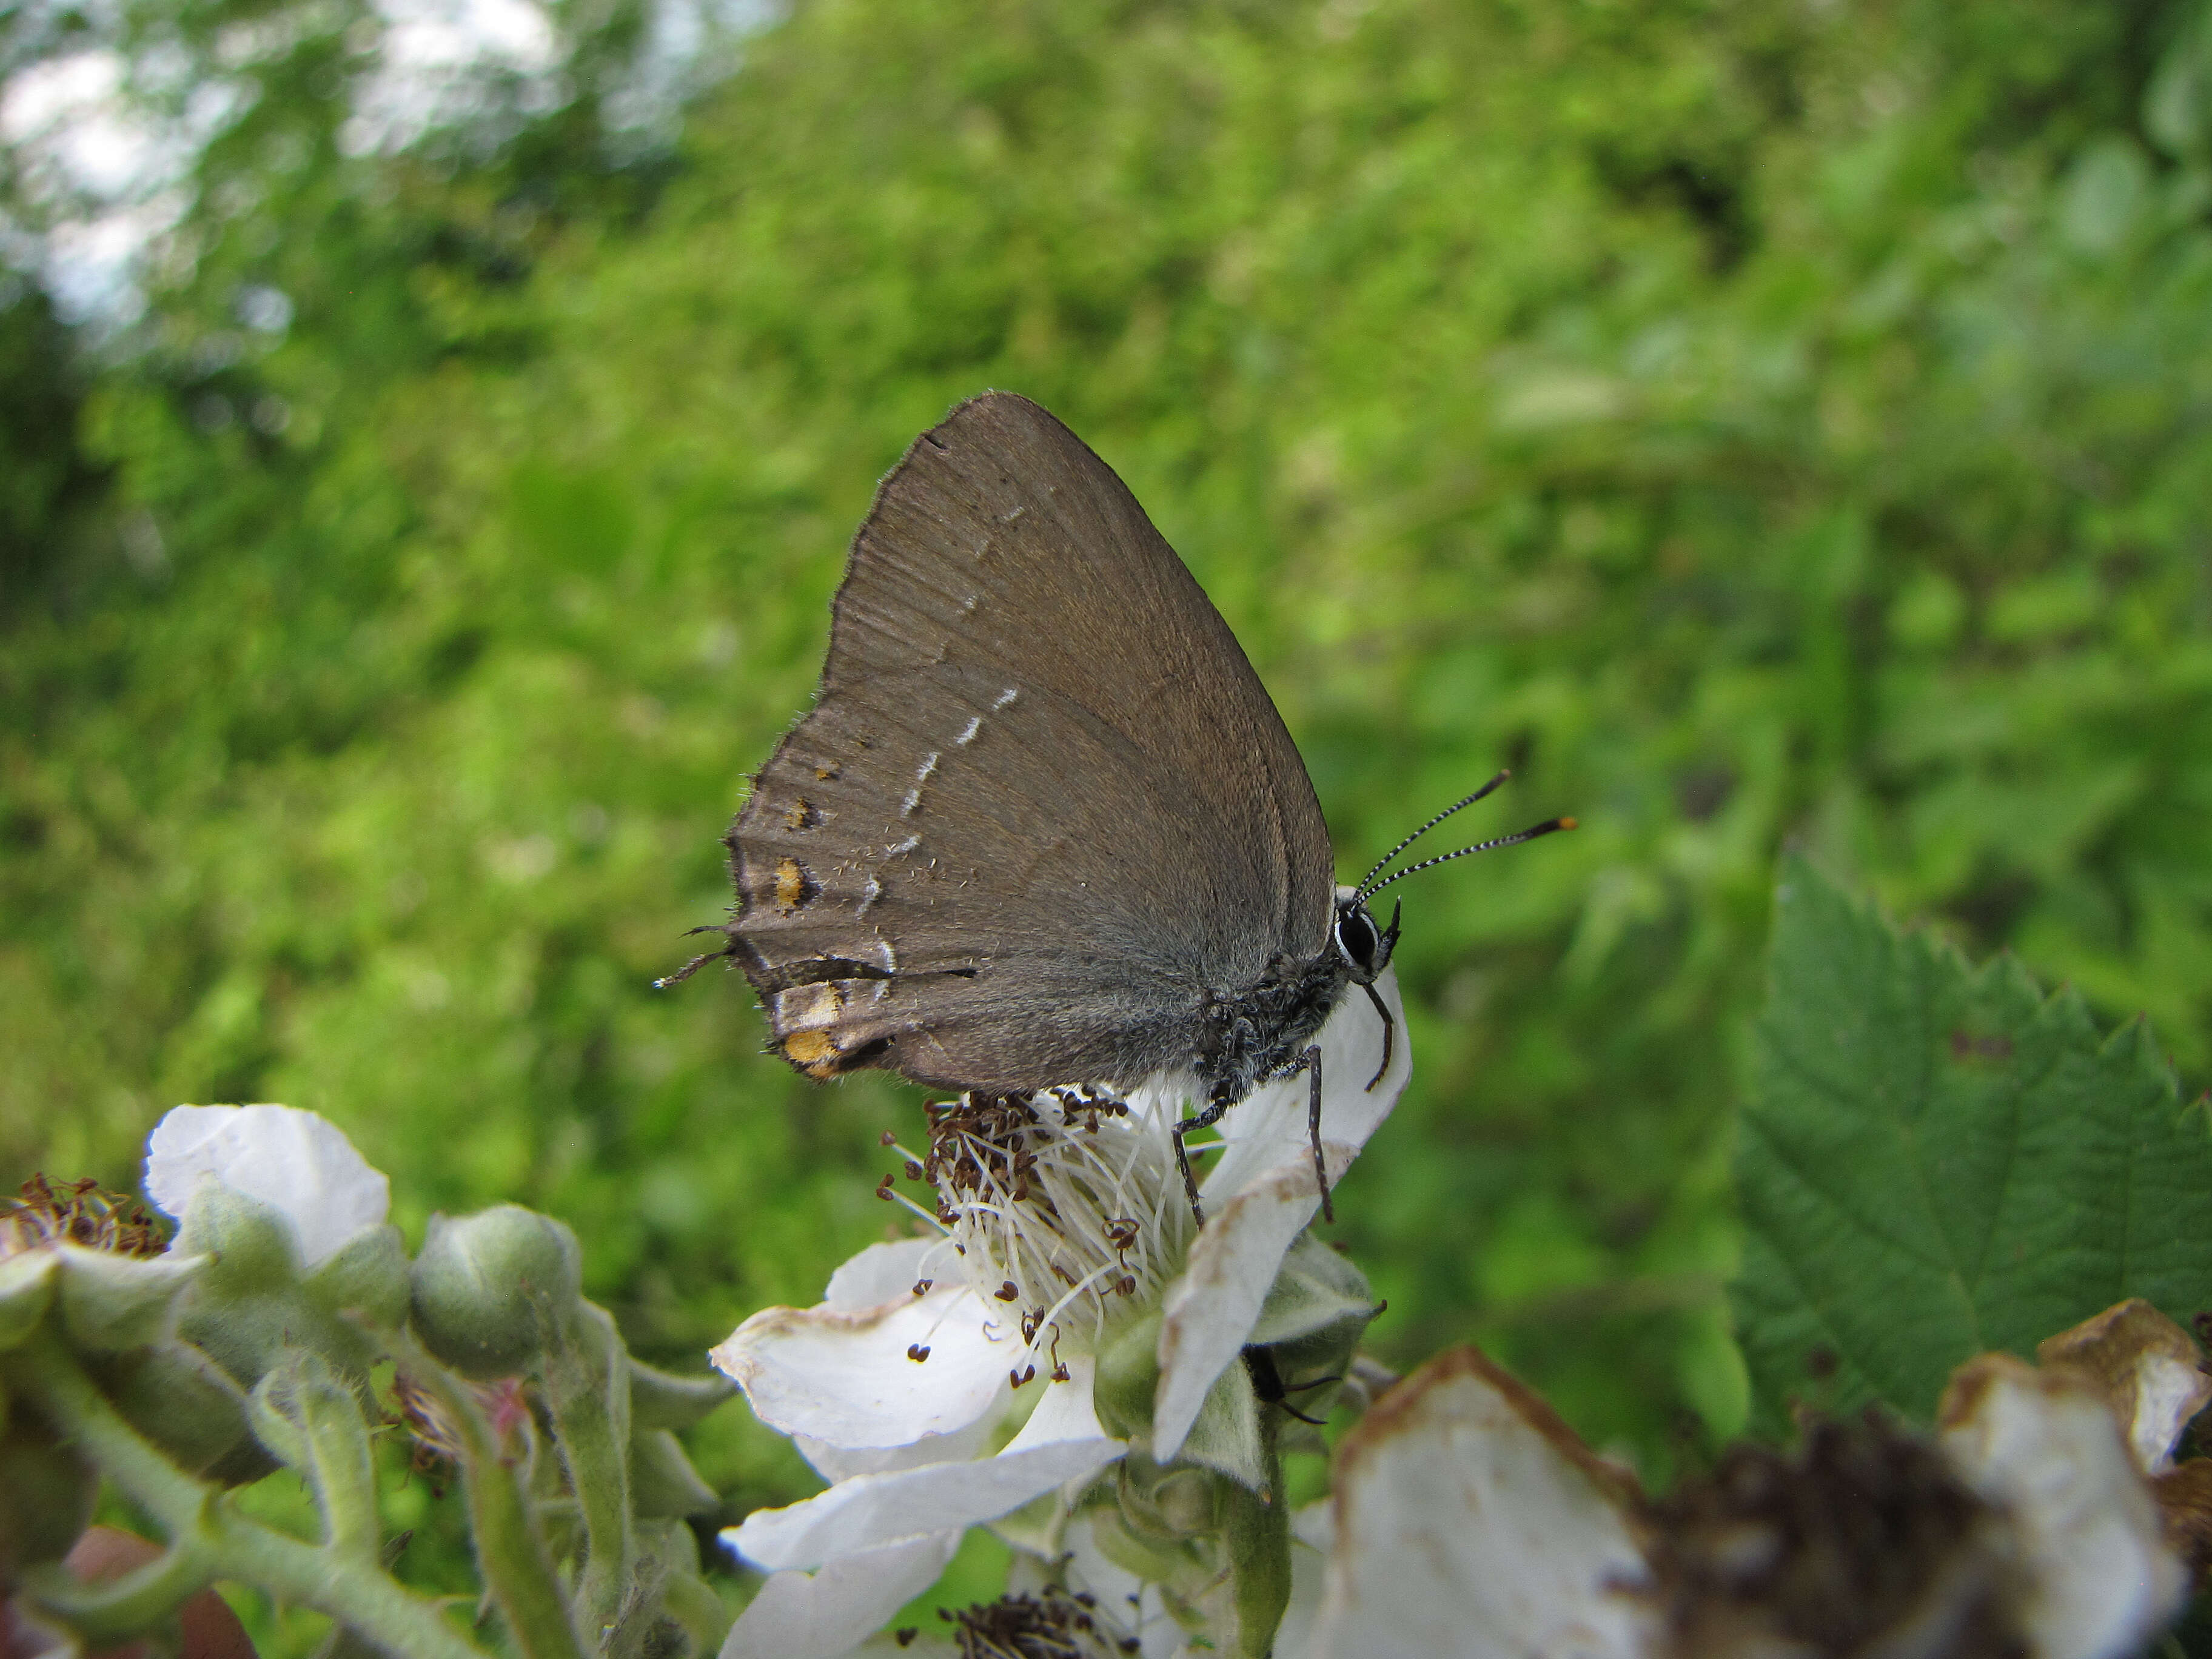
(1365, 948)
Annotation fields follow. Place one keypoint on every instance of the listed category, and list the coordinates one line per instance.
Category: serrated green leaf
(1937, 1160)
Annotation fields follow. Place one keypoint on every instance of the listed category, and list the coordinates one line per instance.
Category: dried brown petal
(2097, 1577)
(1862, 1542)
(2149, 1369)
(2184, 1500)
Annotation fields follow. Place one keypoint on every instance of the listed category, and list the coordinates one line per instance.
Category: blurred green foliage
(1755, 423)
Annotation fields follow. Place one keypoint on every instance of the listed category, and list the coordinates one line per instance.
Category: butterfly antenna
(1456, 806)
(1550, 826)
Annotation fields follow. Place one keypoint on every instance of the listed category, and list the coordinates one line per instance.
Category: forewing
(1043, 803)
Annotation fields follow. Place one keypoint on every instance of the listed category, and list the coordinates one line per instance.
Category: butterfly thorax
(1262, 1031)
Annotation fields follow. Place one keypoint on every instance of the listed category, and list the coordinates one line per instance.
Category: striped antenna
(1456, 806)
(1550, 826)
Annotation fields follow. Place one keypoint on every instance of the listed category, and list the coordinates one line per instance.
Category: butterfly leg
(1311, 1062)
(1204, 1119)
(1267, 1383)
(1389, 1030)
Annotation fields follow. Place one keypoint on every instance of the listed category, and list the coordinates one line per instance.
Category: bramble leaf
(1937, 1160)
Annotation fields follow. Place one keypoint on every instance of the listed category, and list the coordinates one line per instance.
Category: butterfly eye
(1356, 939)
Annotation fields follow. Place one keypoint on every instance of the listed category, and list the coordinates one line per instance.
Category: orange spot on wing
(794, 886)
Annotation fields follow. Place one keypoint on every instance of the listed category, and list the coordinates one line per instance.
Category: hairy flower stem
(509, 1551)
(1258, 1525)
(198, 1520)
(587, 1387)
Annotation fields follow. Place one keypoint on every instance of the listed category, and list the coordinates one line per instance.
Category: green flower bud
(1159, 1553)
(49, 1496)
(1163, 1505)
(492, 1289)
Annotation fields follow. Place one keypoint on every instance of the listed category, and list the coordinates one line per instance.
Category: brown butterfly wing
(1042, 805)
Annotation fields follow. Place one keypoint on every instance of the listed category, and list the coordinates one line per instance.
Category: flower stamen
(1059, 1201)
(77, 1213)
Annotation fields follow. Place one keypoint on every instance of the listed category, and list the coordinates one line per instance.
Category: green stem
(229, 1545)
(587, 1387)
(345, 1469)
(1259, 1535)
(516, 1568)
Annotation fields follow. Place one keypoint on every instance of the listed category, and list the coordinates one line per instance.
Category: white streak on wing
(869, 894)
(891, 956)
(968, 736)
(968, 605)
(1006, 697)
(906, 846)
(929, 765)
(913, 799)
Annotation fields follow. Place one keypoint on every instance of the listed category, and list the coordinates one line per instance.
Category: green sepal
(27, 1290)
(46, 1497)
(661, 1399)
(662, 1482)
(1226, 1436)
(690, 1600)
(367, 1279)
(110, 1302)
(179, 1399)
(253, 1242)
(250, 1336)
(490, 1290)
(249, 1310)
(1316, 1288)
(1127, 1378)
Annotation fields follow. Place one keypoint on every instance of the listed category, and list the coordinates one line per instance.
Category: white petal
(843, 1376)
(1470, 1521)
(871, 1511)
(1210, 1310)
(825, 1615)
(2042, 1446)
(1261, 1195)
(843, 1462)
(884, 1272)
(1066, 1412)
(296, 1161)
